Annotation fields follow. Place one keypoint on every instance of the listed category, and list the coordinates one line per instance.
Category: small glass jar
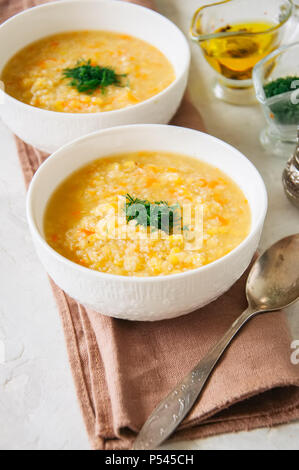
(236, 34)
(281, 111)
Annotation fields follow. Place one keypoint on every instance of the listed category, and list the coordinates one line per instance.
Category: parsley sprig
(157, 215)
(87, 78)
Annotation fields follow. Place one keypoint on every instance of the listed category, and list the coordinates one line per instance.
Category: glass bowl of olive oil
(234, 36)
(276, 82)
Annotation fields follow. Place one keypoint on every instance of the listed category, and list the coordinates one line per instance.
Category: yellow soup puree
(35, 75)
(80, 217)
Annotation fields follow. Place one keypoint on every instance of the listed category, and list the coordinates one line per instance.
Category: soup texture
(37, 74)
(88, 218)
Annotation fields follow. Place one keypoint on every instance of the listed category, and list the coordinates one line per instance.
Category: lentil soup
(79, 219)
(37, 74)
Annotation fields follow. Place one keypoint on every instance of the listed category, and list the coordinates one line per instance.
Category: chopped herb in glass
(286, 109)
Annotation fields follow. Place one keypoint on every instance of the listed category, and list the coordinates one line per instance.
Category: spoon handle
(173, 409)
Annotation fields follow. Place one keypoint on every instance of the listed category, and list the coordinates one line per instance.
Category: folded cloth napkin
(123, 369)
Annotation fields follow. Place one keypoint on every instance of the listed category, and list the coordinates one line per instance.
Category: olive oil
(235, 56)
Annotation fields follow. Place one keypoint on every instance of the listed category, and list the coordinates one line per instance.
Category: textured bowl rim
(131, 6)
(116, 277)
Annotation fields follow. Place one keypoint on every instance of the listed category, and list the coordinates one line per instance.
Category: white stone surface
(38, 407)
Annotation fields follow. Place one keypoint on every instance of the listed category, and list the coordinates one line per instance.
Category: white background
(38, 407)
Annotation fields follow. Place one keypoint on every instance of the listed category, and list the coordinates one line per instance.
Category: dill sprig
(158, 215)
(87, 78)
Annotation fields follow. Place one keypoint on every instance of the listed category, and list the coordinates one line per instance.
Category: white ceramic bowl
(49, 130)
(148, 298)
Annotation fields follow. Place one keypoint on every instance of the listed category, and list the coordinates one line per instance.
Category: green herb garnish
(157, 215)
(279, 86)
(284, 111)
(87, 78)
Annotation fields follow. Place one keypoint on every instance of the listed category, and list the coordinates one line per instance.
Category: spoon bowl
(273, 282)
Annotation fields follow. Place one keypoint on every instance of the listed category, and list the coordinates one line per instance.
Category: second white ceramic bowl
(49, 130)
(148, 298)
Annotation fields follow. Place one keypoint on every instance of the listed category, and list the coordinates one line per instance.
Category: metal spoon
(272, 285)
(290, 177)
